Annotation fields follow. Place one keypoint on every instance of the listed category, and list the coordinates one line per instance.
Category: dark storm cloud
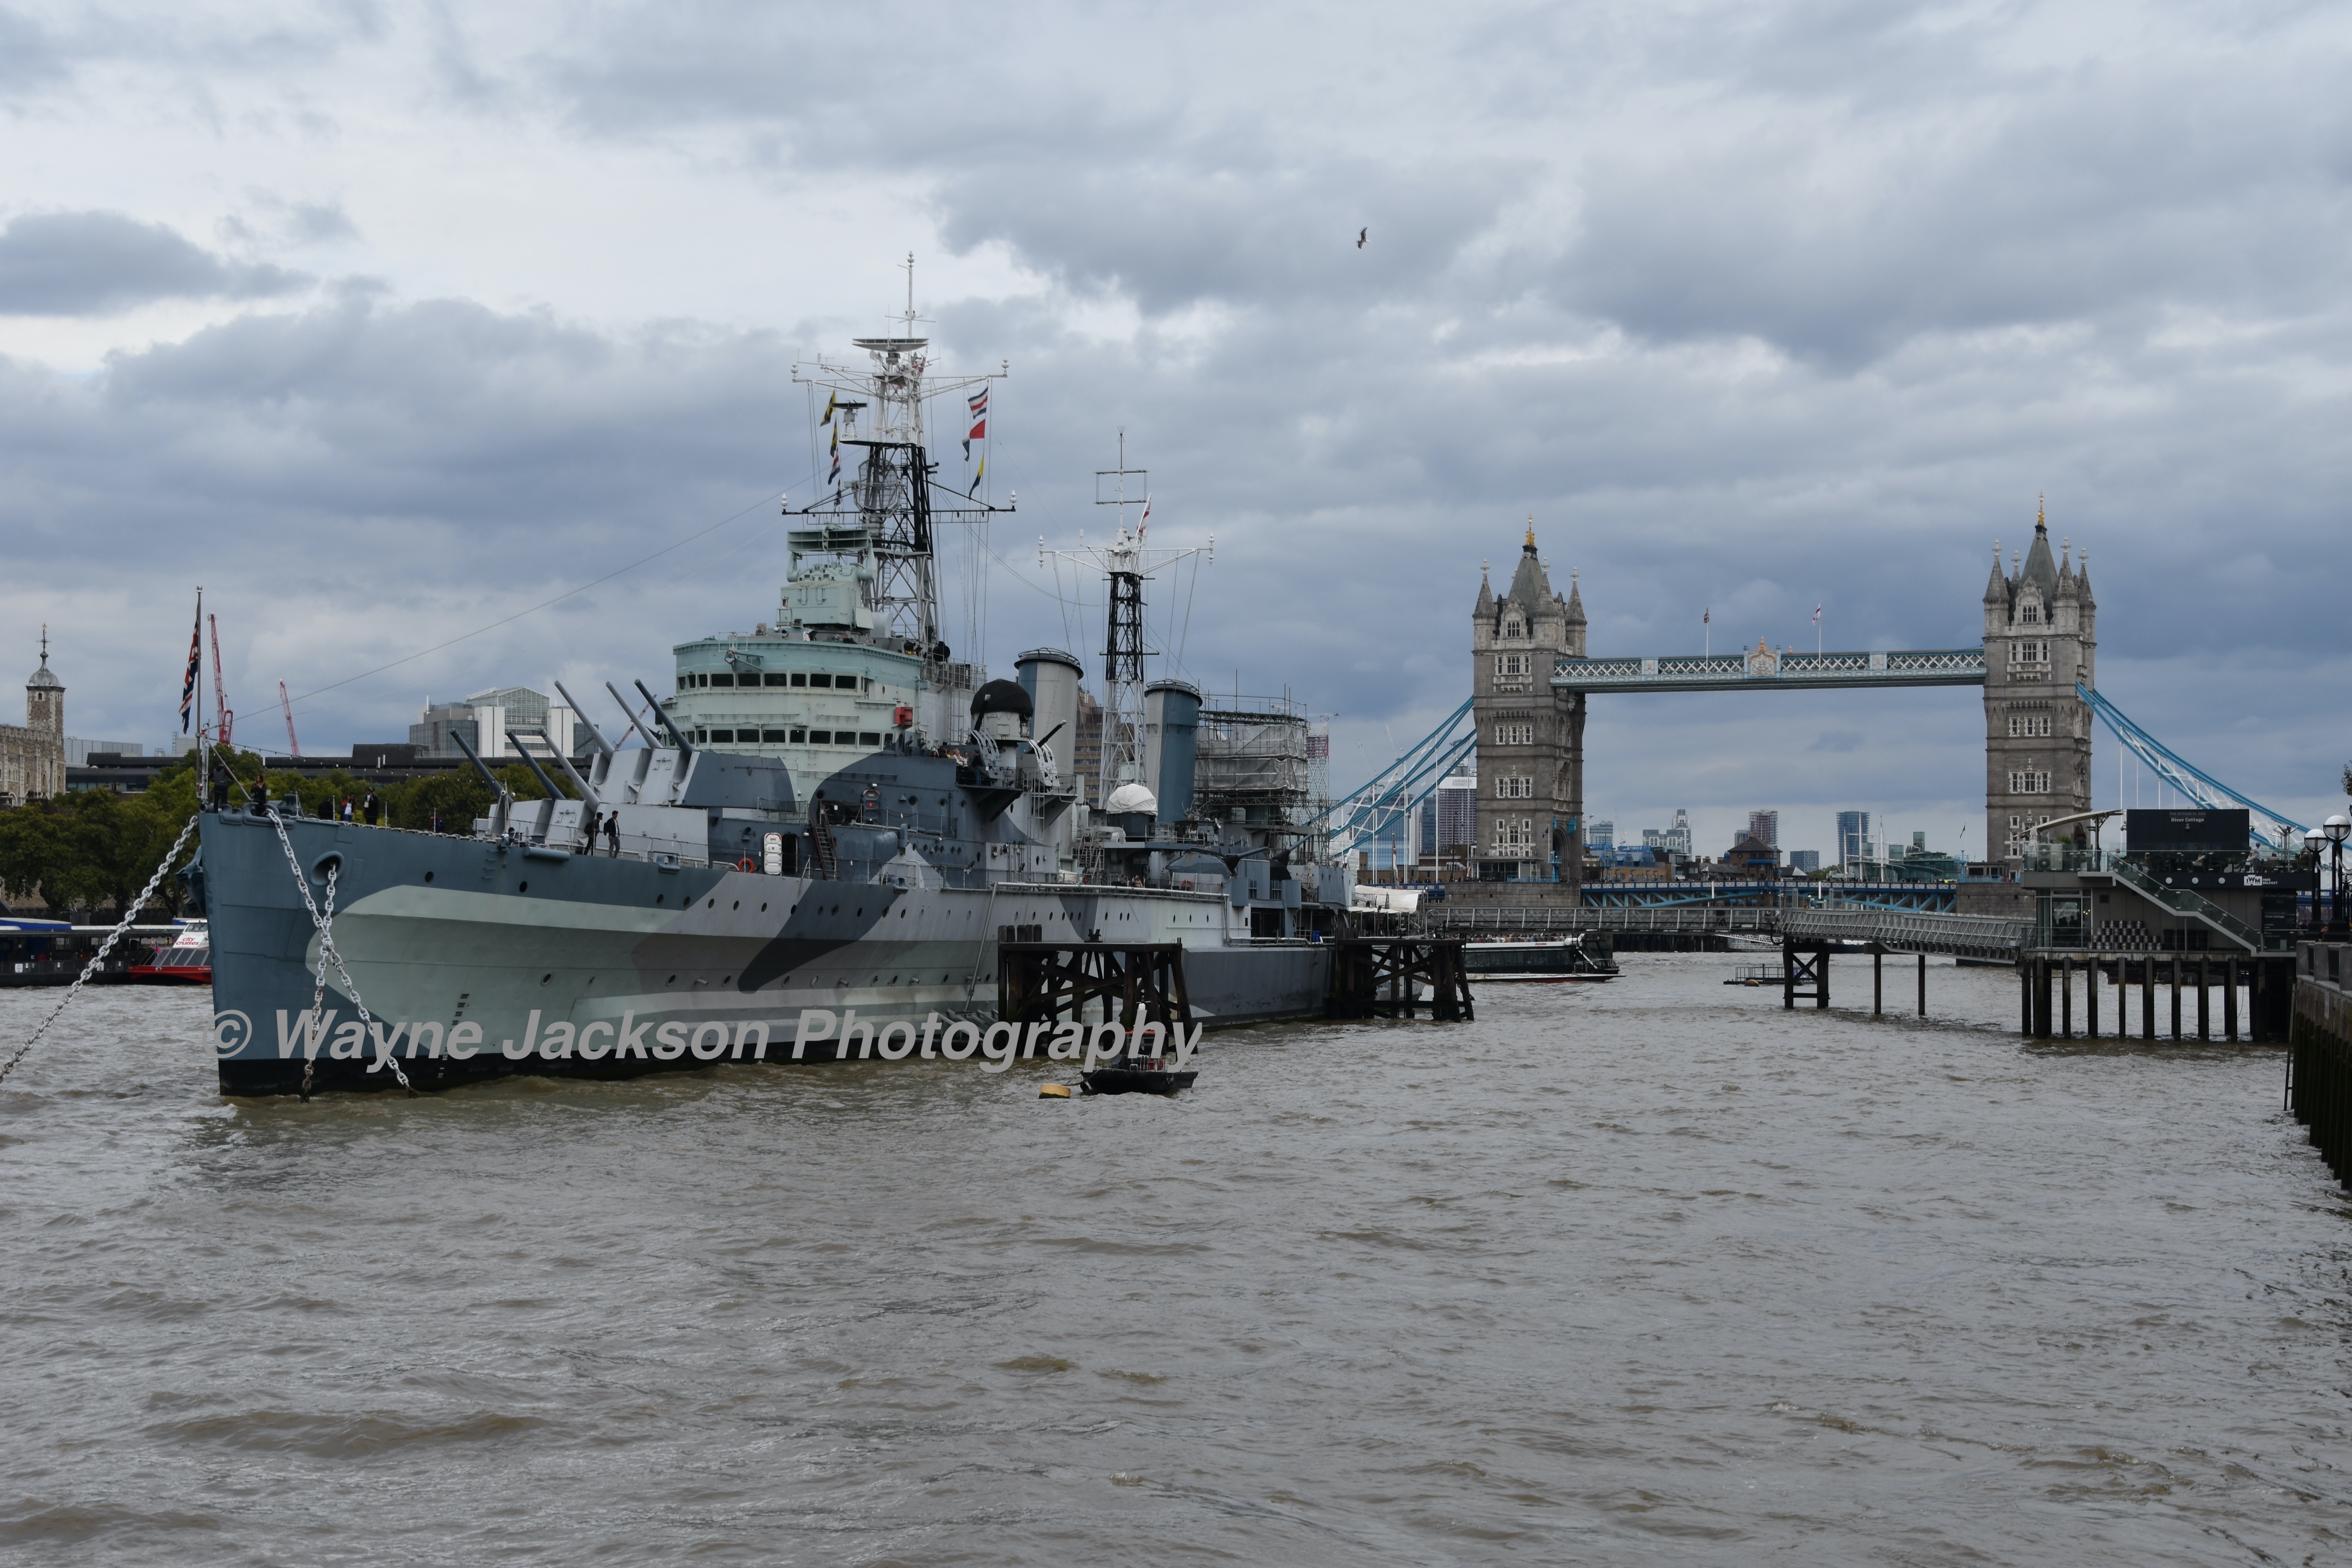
(361, 480)
(98, 263)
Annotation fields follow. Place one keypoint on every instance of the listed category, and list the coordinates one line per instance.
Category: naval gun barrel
(498, 811)
(685, 747)
(629, 717)
(532, 764)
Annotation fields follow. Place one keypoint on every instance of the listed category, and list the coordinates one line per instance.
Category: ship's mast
(886, 508)
(1125, 562)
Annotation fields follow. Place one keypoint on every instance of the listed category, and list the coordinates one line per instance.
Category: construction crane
(226, 717)
(287, 703)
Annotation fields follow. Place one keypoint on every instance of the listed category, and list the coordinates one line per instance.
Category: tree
(444, 803)
(34, 857)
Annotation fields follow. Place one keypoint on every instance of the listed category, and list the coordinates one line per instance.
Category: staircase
(2186, 902)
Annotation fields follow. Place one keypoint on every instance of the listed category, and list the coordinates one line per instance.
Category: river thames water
(1649, 1271)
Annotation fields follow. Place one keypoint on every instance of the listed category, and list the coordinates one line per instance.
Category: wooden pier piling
(1383, 976)
(1134, 982)
(2319, 1054)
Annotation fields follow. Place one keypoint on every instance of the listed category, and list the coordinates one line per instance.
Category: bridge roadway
(1761, 669)
(1896, 931)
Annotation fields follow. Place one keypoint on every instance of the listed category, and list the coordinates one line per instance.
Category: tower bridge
(1532, 678)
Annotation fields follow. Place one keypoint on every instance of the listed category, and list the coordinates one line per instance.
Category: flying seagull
(1360, 235)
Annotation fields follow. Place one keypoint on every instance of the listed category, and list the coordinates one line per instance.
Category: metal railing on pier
(1905, 930)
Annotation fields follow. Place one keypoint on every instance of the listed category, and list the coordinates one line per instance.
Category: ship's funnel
(1051, 678)
(1171, 725)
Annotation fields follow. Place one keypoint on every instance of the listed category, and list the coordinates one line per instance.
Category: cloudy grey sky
(385, 321)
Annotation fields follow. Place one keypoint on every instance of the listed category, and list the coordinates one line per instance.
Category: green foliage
(444, 803)
(95, 848)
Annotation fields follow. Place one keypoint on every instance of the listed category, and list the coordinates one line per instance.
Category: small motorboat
(1151, 1075)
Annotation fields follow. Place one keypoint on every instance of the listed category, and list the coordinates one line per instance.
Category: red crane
(285, 702)
(220, 693)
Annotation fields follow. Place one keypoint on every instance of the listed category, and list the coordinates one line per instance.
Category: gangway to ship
(1398, 789)
(2193, 781)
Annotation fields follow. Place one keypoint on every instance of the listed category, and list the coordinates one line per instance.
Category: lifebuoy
(745, 865)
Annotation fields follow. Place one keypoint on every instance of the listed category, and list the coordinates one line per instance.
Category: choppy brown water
(1645, 1272)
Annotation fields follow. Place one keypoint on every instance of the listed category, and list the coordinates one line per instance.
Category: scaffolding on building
(1256, 766)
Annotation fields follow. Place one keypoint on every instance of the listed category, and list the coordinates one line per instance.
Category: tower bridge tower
(1530, 745)
(2040, 641)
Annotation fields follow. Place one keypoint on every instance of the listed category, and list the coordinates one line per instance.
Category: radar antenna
(883, 519)
(1126, 563)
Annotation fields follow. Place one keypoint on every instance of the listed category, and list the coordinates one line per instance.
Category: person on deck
(612, 835)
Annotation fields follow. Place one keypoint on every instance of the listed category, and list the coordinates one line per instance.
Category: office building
(1852, 837)
(1764, 827)
(1804, 860)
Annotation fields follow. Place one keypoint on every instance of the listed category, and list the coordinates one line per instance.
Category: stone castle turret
(2040, 641)
(33, 756)
(1530, 744)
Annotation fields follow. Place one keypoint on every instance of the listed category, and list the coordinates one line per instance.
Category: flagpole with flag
(194, 675)
(1817, 631)
(1707, 621)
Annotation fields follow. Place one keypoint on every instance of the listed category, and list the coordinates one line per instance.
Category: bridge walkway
(1893, 931)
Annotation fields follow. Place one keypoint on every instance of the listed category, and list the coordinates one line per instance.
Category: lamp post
(2292, 841)
(2335, 829)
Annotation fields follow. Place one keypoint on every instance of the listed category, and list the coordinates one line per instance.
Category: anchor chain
(327, 952)
(106, 947)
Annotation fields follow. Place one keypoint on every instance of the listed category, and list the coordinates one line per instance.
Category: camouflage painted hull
(481, 959)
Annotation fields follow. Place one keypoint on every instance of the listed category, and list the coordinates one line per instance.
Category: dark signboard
(2187, 830)
(2280, 914)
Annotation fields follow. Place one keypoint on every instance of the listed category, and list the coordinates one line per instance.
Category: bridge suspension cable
(1403, 785)
(2193, 781)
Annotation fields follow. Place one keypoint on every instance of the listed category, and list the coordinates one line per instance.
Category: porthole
(522, 886)
(714, 903)
(763, 909)
(428, 875)
(659, 897)
(671, 981)
(738, 904)
(545, 978)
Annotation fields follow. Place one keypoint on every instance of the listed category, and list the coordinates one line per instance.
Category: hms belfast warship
(827, 830)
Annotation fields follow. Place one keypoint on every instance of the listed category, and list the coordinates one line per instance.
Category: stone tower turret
(1530, 743)
(2039, 644)
(45, 696)
(33, 758)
